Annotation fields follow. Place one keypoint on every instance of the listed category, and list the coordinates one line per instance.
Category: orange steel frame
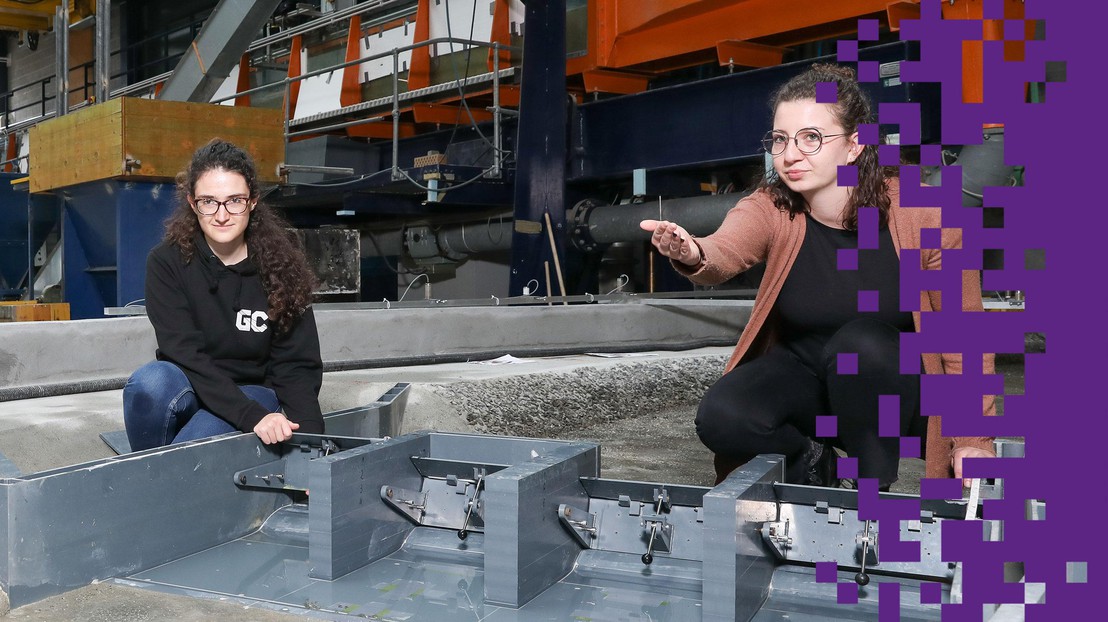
(630, 41)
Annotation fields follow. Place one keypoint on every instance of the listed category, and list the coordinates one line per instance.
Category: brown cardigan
(755, 230)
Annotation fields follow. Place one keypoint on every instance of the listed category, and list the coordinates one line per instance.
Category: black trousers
(770, 404)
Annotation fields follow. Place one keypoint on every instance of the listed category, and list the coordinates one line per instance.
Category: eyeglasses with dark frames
(208, 206)
(808, 140)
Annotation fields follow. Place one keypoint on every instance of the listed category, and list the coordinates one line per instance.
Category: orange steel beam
(973, 71)
(448, 115)
(898, 11)
(351, 92)
(294, 71)
(243, 83)
(631, 32)
(607, 81)
(419, 69)
(747, 54)
(501, 32)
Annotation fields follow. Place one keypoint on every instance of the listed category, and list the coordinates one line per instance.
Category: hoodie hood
(215, 271)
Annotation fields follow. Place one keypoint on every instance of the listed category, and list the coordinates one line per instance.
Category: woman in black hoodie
(228, 292)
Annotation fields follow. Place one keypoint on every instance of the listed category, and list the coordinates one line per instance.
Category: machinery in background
(415, 129)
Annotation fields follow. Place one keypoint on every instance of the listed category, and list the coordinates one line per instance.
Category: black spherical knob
(462, 534)
(861, 578)
(647, 558)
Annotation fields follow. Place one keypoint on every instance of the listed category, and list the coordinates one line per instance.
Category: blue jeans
(160, 407)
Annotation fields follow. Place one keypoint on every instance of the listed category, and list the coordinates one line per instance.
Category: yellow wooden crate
(146, 139)
(31, 311)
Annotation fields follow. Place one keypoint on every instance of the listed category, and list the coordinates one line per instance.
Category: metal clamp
(408, 502)
(580, 523)
(867, 541)
(463, 533)
(658, 526)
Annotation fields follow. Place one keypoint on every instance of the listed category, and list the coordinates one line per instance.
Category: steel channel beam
(741, 569)
(103, 50)
(125, 514)
(541, 144)
(714, 122)
(61, 60)
(225, 36)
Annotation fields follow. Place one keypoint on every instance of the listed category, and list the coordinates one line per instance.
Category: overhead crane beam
(226, 35)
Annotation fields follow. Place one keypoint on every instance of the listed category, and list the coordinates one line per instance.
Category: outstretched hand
(967, 452)
(672, 241)
(274, 428)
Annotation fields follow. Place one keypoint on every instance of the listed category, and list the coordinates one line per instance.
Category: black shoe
(820, 465)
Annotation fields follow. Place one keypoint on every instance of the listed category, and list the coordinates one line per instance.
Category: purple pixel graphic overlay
(1052, 211)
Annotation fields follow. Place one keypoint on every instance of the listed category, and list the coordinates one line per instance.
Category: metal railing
(285, 84)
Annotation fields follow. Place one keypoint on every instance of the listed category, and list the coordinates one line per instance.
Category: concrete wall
(34, 355)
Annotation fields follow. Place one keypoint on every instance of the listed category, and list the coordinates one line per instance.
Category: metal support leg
(103, 50)
(541, 144)
(61, 59)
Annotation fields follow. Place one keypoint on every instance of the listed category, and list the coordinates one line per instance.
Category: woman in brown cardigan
(823, 338)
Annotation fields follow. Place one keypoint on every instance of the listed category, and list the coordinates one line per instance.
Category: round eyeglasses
(234, 205)
(808, 140)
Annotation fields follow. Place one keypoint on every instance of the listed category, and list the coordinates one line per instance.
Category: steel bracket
(580, 523)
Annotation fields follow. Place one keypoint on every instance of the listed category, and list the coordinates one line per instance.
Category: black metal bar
(541, 143)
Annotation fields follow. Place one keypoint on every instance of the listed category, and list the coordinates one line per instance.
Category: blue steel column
(541, 144)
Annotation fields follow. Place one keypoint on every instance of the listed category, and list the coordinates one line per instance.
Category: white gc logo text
(248, 321)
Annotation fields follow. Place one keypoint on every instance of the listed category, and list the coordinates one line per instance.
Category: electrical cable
(458, 81)
(413, 282)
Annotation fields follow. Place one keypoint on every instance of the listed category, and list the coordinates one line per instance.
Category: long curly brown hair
(852, 109)
(274, 248)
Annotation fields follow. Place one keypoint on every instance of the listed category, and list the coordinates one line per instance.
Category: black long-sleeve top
(211, 320)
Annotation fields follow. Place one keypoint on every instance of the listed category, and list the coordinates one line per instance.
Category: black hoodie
(211, 320)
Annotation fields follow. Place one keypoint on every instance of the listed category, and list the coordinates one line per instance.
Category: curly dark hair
(853, 108)
(274, 248)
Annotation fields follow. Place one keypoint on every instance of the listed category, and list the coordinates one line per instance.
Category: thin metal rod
(496, 110)
(396, 114)
(61, 59)
(103, 50)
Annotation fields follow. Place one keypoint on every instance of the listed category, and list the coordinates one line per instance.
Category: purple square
(827, 426)
(867, 30)
(931, 238)
(940, 488)
(888, 155)
(847, 259)
(888, 602)
(869, 71)
(848, 175)
(867, 301)
(847, 364)
(888, 415)
(848, 593)
(1014, 29)
(827, 572)
(930, 593)
(827, 93)
(869, 134)
(993, 9)
(848, 51)
(909, 447)
(847, 468)
(931, 155)
(868, 220)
